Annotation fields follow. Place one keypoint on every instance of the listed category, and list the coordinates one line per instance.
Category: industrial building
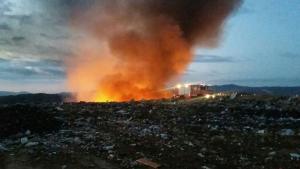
(190, 90)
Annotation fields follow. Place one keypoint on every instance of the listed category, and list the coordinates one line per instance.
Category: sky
(260, 46)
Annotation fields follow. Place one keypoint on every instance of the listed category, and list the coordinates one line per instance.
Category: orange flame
(147, 65)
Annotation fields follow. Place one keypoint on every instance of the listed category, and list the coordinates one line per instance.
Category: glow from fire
(103, 98)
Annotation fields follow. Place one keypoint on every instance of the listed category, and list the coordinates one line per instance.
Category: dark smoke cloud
(199, 20)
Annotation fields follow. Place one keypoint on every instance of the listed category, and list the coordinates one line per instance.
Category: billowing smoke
(133, 48)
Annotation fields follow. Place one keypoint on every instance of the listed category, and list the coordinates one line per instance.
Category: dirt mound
(20, 118)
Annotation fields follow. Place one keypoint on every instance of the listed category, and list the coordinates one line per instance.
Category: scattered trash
(148, 163)
(273, 153)
(77, 140)
(243, 133)
(64, 167)
(295, 156)
(164, 136)
(201, 155)
(287, 132)
(59, 109)
(261, 132)
(2, 148)
(233, 95)
(24, 140)
(31, 144)
(28, 132)
(107, 148)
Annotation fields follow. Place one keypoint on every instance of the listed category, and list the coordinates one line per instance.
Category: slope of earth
(247, 132)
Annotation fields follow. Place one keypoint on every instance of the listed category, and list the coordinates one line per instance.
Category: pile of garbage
(219, 133)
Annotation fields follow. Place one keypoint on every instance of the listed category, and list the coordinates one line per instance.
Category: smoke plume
(133, 48)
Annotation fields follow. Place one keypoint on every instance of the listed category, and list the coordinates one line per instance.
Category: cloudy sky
(34, 40)
(260, 46)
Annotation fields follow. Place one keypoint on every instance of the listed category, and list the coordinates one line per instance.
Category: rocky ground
(249, 132)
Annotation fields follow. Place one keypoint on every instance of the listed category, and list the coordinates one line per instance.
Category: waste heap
(221, 133)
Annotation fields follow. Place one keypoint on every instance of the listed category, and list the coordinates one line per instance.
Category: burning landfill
(133, 49)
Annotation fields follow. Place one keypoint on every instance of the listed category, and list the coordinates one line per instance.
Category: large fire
(132, 49)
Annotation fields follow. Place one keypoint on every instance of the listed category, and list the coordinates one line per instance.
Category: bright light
(186, 85)
(179, 86)
(207, 96)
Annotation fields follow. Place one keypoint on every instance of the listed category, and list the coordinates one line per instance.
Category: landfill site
(240, 132)
(93, 84)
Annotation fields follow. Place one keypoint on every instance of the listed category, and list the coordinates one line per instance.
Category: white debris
(24, 140)
(31, 144)
(189, 143)
(59, 109)
(233, 96)
(122, 112)
(287, 132)
(164, 136)
(77, 140)
(107, 148)
(111, 156)
(201, 155)
(273, 153)
(2, 148)
(28, 132)
(261, 132)
(295, 156)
